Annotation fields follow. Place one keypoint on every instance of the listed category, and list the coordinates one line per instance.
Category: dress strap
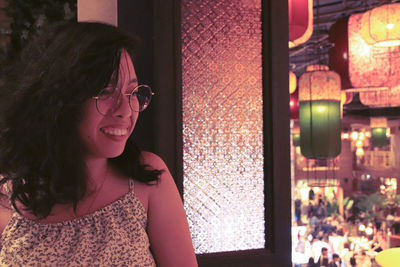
(7, 189)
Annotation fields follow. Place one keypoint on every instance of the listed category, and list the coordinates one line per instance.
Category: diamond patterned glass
(223, 124)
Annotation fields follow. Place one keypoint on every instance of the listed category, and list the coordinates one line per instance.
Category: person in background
(336, 262)
(76, 190)
(353, 262)
(363, 260)
(323, 259)
(311, 262)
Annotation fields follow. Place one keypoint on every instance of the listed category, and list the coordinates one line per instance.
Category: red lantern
(294, 105)
(300, 21)
(339, 53)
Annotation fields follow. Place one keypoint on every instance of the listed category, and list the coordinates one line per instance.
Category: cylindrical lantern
(339, 52)
(380, 26)
(371, 66)
(300, 21)
(292, 82)
(319, 113)
(346, 98)
(296, 136)
(389, 97)
(379, 131)
(349, 97)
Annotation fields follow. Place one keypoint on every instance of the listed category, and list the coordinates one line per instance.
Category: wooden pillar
(105, 11)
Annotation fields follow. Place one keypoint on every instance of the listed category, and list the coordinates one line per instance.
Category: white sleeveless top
(114, 235)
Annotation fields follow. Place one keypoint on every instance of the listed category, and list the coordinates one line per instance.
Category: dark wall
(136, 17)
(158, 64)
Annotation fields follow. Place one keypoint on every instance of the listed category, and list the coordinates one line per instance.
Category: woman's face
(105, 136)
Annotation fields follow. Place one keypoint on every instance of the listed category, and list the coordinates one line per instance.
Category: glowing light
(359, 152)
(321, 109)
(354, 135)
(345, 136)
(361, 228)
(369, 231)
(359, 143)
(292, 82)
(390, 26)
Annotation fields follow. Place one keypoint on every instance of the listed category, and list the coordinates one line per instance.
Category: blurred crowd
(327, 239)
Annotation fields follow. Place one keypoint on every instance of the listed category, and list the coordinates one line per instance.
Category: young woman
(76, 190)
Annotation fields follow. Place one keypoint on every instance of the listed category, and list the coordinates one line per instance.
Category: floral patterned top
(114, 235)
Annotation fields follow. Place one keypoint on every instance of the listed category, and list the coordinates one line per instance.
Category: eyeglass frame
(120, 95)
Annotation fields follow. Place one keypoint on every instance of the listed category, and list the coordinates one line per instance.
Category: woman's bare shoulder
(144, 191)
(5, 210)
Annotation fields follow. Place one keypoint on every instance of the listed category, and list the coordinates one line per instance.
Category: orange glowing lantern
(319, 113)
(292, 82)
(386, 97)
(300, 21)
(380, 26)
(371, 66)
(346, 97)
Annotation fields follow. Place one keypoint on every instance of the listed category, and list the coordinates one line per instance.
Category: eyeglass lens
(109, 99)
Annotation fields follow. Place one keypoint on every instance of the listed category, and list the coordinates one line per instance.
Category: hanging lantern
(296, 137)
(300, 21)
(294, 105)
(339, 52)
(319, 113)
(292, 82)
(371, 66)
(379, 131)
(389, 97)
(380, 26)
(348, 96)
(345, 98)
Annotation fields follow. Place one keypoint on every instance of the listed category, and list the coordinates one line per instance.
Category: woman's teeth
(114, 131)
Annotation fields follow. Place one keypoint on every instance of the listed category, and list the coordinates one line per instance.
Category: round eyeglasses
(109, 99)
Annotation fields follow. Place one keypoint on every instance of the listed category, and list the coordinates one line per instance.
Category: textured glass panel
(222, 124)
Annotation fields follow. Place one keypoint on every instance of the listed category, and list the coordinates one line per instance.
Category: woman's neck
(97, 170)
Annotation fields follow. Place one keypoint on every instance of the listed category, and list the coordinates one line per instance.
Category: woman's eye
(106, 92)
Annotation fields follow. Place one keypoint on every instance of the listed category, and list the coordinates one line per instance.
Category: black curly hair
(40, 149)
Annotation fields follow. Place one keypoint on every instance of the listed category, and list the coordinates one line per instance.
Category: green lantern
(296, 139)
(319, 113)
(379, 132)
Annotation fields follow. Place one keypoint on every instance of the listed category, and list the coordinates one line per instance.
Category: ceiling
(315, 50)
